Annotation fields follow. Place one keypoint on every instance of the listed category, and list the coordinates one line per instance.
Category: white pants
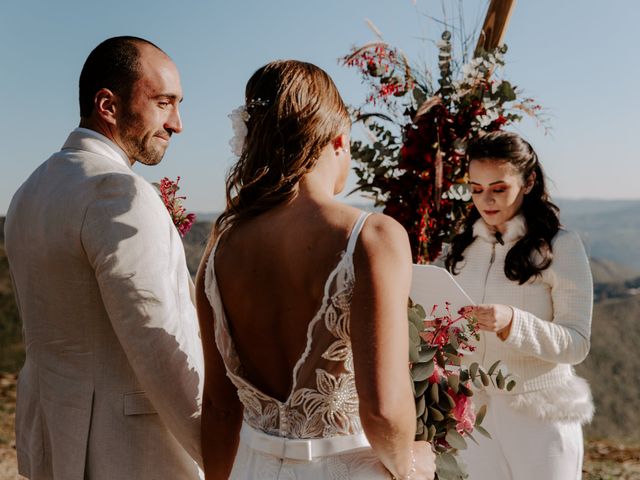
(523, 447)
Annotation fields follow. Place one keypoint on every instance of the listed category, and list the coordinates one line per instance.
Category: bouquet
(168, 190)
(446, 415)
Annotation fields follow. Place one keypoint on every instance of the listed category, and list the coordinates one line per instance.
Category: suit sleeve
(566, 339)
(135, 252)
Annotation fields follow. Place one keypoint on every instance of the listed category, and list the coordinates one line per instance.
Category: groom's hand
(494, 318)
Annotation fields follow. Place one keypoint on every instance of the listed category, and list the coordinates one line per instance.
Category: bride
(302, 303)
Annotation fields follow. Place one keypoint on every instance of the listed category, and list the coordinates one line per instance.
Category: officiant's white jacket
(551, 326)
(111, 386)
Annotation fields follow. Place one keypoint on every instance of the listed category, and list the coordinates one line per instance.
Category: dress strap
(355, 232)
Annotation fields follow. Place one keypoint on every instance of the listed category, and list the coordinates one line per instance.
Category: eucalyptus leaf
(456, 440)
(447, 467)
(482, 411)
(421, 371)
(500, 380)
(482, 430)
(420, 311)
(448, 348)
(420, 387)
(427, 353)
(435, 414)
(453, 359)
(466, 390)
(414, 336)
(511, 385)
(421, 405)
(493, 367)
(434, 392)
(454, 383)
(415, 320)
(472, 438)
(425, 415)
(431, 433)
(473, 370)
(448, 399)
(414, 354)
(485, 378)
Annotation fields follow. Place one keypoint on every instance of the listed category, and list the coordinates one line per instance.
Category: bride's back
(271, 272)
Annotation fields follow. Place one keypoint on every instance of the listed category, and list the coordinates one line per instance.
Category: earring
(343, 150)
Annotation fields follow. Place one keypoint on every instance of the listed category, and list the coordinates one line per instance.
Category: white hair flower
(239, 118)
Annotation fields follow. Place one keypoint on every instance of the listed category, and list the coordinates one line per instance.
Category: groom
(111, 385)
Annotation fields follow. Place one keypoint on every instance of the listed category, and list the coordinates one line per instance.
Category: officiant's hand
(494, 318)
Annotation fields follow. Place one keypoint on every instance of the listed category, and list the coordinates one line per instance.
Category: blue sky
(577, 57)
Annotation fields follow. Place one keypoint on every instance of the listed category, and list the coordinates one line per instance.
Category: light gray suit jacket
(111, 387)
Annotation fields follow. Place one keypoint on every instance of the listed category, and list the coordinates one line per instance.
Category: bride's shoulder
(380, 226)
(383, 236)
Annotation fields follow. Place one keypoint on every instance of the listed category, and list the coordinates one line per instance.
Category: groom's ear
(105, 104)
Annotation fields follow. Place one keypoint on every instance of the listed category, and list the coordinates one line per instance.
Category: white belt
(300, 449)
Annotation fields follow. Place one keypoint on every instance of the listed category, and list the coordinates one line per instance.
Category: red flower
(179, 216)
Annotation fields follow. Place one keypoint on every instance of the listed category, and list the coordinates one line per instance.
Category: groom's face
(151, 114)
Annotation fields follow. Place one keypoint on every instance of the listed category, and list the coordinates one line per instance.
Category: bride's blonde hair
(294, 110)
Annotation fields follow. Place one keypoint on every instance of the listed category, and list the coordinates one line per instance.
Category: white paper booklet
(433, 285)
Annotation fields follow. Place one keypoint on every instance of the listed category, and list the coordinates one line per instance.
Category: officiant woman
(531, 282)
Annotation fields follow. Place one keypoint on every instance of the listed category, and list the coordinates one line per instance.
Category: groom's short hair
(114, 64)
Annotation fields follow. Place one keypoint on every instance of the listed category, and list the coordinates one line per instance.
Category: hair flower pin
(239, 118)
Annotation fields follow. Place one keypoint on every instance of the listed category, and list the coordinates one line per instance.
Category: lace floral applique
(332, 408)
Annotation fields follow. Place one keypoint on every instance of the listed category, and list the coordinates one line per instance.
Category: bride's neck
(320, 183)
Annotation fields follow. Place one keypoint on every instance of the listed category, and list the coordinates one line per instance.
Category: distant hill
(610, 229)
(194, 244)
(613, 369)
(608, 271)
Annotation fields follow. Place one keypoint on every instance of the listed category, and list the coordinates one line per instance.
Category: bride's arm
(380, 339)
(221, 409)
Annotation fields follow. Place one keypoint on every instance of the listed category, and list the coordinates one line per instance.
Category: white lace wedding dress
(316, 433)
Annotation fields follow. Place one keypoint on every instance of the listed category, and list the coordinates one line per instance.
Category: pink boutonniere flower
(168, 192)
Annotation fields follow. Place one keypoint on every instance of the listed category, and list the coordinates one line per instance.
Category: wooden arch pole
(495, 24)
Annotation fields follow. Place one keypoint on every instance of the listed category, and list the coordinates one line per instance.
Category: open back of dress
(316, 432)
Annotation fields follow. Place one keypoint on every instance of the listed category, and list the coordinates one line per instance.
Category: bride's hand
(425, 461)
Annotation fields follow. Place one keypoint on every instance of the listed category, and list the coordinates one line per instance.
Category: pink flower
(181, 219)
(185, 225)
(463, 412)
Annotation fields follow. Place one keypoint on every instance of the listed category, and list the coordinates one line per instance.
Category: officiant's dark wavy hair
(533, 253)
(113, 64)
(294, 110)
